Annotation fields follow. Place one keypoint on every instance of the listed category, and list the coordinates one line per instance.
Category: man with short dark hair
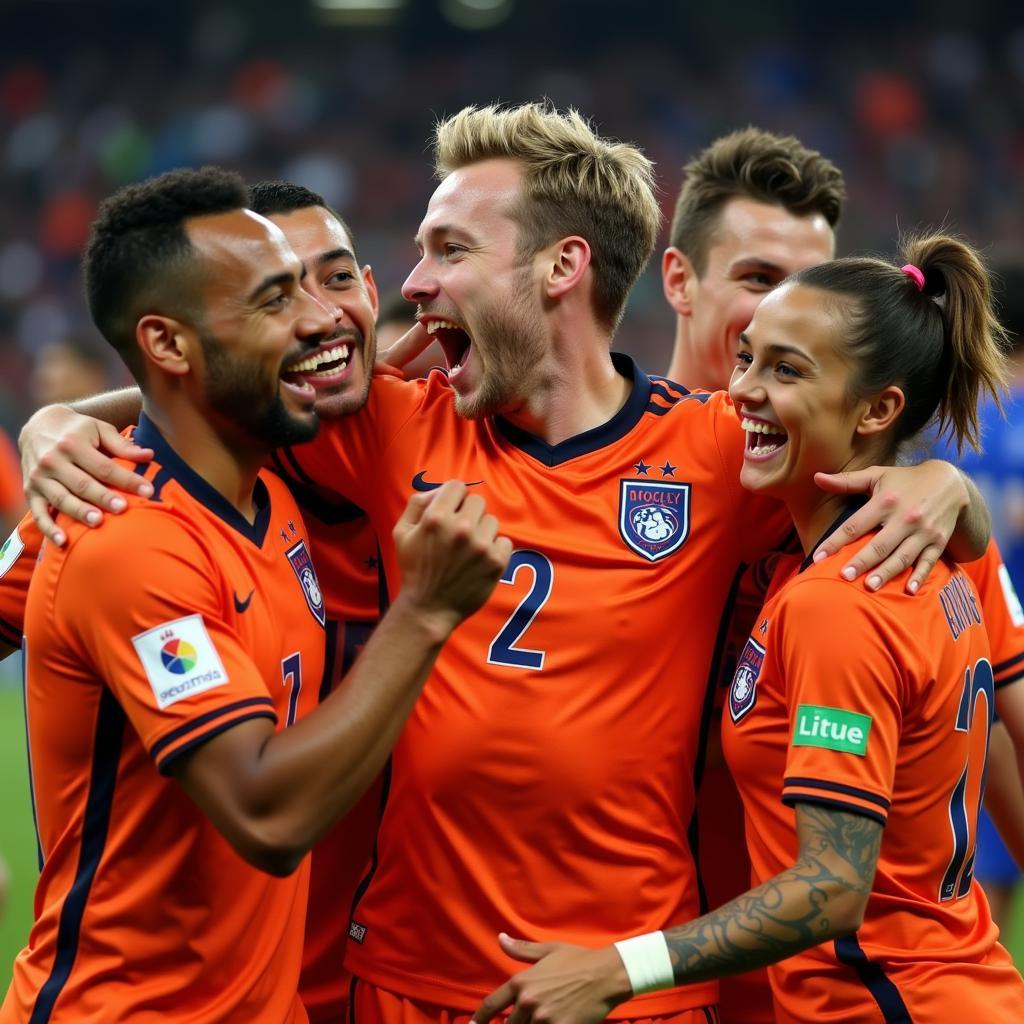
(167, 652)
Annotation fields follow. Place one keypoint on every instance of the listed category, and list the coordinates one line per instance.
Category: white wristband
(647, 962)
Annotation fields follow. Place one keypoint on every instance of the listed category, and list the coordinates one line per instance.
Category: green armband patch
(831, 728)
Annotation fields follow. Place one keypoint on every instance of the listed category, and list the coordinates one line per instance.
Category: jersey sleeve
(141, 600)
(843, 694)
(762, 524)
(347, 455)
(18, 557)
(1003, 615)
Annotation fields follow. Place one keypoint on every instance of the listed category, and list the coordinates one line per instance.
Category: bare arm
(273, 794)
(1004, 788)
(823, 895)
(926, 510)
(66, 454)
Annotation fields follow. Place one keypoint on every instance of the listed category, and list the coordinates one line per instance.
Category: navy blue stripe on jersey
(164, 766)
(312, 501)
(792, 799)
(210, 716)
(852, 505)
(1009, 671)
(706, 716)
(106, 754)
(665, 384)
(839, 787)
(147, 435)
(878, 983)
(371, 870)
(591, 440)
(289, 459)
(9, 634)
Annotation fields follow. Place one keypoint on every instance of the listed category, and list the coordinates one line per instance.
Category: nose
(314, 323)
(744, 388)
(419, 287)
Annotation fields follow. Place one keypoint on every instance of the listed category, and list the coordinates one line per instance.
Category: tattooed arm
(822, 896)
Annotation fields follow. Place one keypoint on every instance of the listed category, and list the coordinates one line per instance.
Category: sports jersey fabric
(12, 497)
(18, 556)
(345, 553)
(544, 783)
(145, 638)
(724, 860)
(877, 705)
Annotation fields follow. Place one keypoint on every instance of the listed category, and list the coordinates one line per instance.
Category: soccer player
(166, 652)
(755, 207)
(868, 715)
(627, 523)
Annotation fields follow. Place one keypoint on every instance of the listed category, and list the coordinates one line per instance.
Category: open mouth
(454, 341)
(763, 438)
(322, 365)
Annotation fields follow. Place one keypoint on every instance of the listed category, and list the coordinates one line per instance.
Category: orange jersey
(17, 560)
(879, 705)
(345, 551)
(724, 861)
(544, 783)
(145, 638)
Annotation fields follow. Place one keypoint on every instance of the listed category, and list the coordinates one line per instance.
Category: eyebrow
(776, 346)
(285, 277)
(330, 256)
(756, 263)
(441, 229)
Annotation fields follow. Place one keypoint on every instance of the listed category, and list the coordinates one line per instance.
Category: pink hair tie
(915, 274)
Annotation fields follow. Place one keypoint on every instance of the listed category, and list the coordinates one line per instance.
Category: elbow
(270, 848)
(847, 913)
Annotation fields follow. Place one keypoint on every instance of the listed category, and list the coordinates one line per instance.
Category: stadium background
(921, 105)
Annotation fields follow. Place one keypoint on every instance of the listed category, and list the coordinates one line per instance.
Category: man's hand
(405, 350)
(566, 985)
(66, 460)
(450, 554)
(918, 508)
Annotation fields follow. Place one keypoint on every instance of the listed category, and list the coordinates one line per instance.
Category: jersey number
(503, 650)
(964, 825)
(291, 676)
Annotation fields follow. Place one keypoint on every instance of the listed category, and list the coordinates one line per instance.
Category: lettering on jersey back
(179, 659)
(743, 692)
(959, 605)
(303, 566)
(654, 516)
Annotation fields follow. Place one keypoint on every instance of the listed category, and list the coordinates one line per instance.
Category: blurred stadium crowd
(928, 124)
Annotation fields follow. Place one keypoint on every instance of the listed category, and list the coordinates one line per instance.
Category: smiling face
(754, 246)
(474, 293)
(257, 323)
(791, 389)
(340, 368)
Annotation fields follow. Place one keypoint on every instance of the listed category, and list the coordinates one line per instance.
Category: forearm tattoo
(797, 909)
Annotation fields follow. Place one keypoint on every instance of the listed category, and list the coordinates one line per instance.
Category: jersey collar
(851, 506)
(591, 440)
(173, 466)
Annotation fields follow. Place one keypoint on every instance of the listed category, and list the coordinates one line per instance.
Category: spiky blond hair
(574, 183)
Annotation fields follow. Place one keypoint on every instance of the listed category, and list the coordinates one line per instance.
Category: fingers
(120, 447)
(926, 561)
(860, 481)
(521, 949)
(861, 523)
(40, 509)
(500, 999)
(408, 346)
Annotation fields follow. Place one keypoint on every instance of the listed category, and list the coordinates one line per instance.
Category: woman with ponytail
(857, 723)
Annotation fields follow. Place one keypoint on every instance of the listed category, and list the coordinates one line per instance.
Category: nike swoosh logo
(420, 484)
(241, 606)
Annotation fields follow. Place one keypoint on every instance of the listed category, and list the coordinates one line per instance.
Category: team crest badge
(303, 566)
(743, 692)
(654, 517)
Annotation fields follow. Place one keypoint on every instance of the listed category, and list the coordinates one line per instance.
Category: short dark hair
(139, 259)
(752, 164)
(269, 197)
